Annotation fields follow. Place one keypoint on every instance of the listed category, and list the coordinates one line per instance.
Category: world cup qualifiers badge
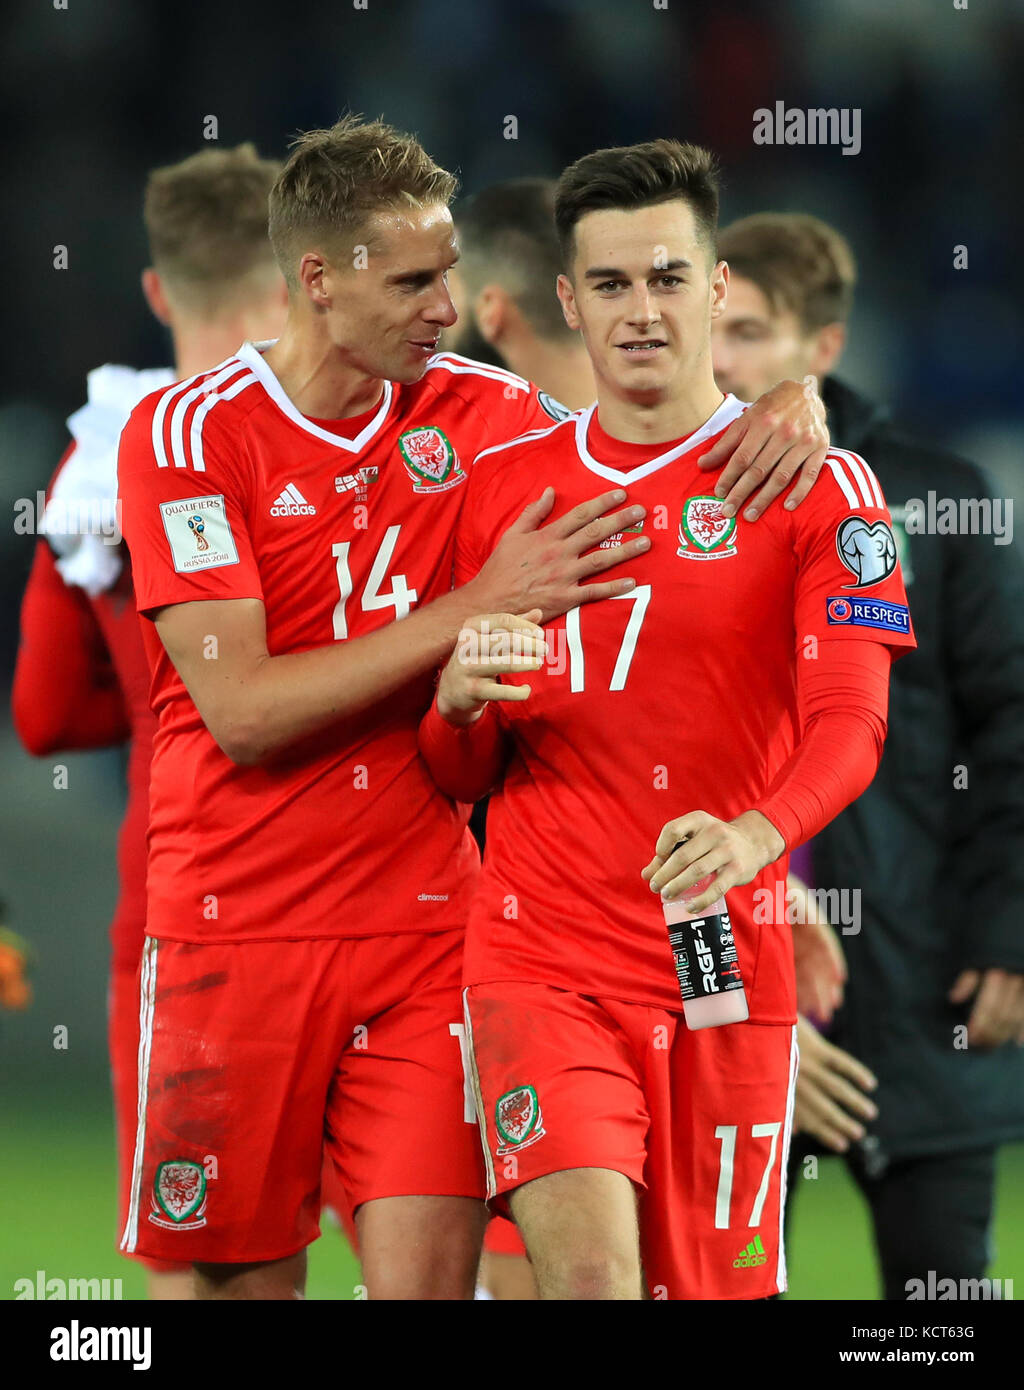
(430, 460)
(704, 533)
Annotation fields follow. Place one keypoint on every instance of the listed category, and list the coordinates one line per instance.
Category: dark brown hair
(637, 176)
(507, 236)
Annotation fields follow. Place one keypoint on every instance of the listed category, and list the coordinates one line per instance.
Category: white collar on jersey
(80, 516)
(252, 355)
(724, 415)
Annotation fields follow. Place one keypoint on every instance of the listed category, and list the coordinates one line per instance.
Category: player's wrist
(459, 714)
(767, 841)
(473, 598)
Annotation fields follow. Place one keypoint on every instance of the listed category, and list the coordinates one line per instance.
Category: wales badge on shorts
(518, 1120)
(179, 1195)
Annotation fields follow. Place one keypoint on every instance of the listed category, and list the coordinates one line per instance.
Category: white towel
(81, 518)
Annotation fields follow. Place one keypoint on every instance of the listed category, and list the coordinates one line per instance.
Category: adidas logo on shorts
(292, 503)
(752, 1255)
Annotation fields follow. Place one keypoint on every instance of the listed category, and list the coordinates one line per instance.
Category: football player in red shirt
(502, 287)
(81, 678)
(308, 883)
(734, 701)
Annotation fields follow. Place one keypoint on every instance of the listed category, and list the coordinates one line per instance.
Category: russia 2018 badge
(430, 460)
(704, 533)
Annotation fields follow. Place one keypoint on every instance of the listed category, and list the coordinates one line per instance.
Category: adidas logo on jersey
(292, 503)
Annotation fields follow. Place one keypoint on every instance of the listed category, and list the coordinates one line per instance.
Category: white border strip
(794, 1066)
(848, 490)
(859, 477)
(250, 354)
(519, 439)
(481, 1114)
(869, 487)
(213, 398)
(729, 410)
(147, 1003)
(467, 366)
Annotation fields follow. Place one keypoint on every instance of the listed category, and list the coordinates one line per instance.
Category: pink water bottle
(706, 965)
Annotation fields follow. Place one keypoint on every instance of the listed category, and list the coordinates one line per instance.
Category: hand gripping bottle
(706, 965)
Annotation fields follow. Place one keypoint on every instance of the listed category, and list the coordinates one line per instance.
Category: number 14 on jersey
(400, 596)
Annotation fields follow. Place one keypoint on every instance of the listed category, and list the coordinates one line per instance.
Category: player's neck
(317, 380)
(200, 344)
(657, 420)
(562, 371)
(200, 347)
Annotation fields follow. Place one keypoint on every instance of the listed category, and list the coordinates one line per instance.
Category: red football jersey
(229, 492)
(677, 697)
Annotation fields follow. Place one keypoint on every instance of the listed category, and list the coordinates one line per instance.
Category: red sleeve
(849, 583)
(186, 526)
(66, 693)
(844, 700)
(466, 763)
(852, 620)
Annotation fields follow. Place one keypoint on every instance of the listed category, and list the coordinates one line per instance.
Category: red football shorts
(123, 1041)
(258, 1058)
(699, 1122)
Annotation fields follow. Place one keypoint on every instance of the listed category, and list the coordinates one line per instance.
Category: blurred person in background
(922, 1080)
(503, 288)
(81, 679)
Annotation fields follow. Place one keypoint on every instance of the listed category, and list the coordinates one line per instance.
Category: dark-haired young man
(734, 701)
(917, 1116)
(308, 883)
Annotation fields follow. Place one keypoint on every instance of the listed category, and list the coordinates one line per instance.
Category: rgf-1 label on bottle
(705, 956)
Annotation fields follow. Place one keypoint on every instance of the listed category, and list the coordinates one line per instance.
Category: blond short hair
(335, 179)
(206, 218)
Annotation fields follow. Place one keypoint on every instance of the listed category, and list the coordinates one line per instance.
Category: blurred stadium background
(94, 96)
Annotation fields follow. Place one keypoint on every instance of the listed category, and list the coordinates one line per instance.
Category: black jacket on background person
(941, 870)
